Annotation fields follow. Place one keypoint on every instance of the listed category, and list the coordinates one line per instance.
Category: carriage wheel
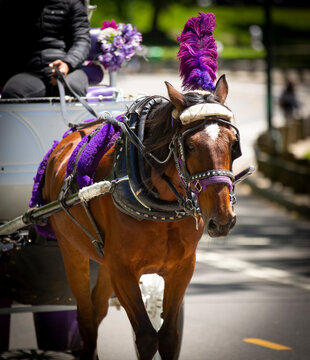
(152, 290)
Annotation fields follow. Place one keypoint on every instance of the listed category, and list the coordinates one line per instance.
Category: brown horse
(134, 247)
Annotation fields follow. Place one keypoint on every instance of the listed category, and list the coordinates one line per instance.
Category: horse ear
(221, 89)
(176, 97)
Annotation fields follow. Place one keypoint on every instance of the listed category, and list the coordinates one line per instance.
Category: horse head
(207, 144)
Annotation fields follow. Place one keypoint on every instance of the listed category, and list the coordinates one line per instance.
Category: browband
(200, 111)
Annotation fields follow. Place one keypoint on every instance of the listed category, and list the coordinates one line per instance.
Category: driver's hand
(63, 68)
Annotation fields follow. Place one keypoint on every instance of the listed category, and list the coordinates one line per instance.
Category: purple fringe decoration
(92, 153)
(86, 167)
(46, 231)
(36, 198)
(39, 180)
(71, 162)
(198, 53)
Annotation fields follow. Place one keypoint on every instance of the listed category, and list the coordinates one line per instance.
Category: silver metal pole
(43, 212)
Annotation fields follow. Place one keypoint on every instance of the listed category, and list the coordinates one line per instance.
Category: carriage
(36, 123)
(150, 178)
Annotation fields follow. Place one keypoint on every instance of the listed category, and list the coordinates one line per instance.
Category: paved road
(255, 284)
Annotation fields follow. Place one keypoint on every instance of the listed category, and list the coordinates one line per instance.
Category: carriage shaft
(33, 215)
(244, 174)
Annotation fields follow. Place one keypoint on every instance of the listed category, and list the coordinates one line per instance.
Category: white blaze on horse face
(212, 130)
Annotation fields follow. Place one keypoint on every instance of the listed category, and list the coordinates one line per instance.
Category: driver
(55, 33)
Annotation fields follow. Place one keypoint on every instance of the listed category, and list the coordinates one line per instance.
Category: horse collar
(132, 195)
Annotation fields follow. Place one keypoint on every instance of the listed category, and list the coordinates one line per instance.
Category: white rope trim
(175, 112)
(201, 92)
(200, 111)
(89, 192)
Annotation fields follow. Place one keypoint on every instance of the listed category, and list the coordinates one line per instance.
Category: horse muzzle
(218, 228)
(220, 222)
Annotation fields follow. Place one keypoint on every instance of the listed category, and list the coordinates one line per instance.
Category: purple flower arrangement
(118, 43)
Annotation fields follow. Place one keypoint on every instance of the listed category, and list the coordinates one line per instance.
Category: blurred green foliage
(290, 33)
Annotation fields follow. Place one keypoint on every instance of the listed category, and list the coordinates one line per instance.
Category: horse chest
(171, 246)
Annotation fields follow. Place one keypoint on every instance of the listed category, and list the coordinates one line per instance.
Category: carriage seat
(95, 70)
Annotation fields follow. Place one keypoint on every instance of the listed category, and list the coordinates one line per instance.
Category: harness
(130, 190)
(129, 185)
(132, 194)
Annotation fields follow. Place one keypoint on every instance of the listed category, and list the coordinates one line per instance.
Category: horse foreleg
(102, 293)
(127, 290)
(77, 271)
(176, 283)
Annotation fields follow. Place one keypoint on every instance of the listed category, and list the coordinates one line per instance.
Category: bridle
(203, 179)
(194, 184)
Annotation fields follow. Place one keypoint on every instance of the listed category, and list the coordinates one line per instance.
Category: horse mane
(160, 127)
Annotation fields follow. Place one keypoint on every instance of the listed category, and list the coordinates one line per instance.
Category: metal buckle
(198, 186)
(233, 198)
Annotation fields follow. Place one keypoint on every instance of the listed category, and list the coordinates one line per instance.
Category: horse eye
(190, 147)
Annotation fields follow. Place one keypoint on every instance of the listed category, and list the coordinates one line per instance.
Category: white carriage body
(28, 130)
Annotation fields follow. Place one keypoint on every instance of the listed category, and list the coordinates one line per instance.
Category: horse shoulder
(57, 163)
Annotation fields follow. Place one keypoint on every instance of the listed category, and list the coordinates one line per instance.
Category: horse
(200, 141)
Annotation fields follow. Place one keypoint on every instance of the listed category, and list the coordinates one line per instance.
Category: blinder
(236, 147)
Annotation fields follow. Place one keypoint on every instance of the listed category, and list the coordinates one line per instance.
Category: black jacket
(40, 31)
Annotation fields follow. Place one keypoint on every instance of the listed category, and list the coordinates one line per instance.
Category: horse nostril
(217, 229)
(212, 225)
(233, 222)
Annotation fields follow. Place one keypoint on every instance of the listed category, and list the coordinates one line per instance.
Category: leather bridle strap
(62, 83)
(201, 185)
(62, 79)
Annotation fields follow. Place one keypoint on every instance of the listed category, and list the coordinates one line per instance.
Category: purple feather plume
(198, 54)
